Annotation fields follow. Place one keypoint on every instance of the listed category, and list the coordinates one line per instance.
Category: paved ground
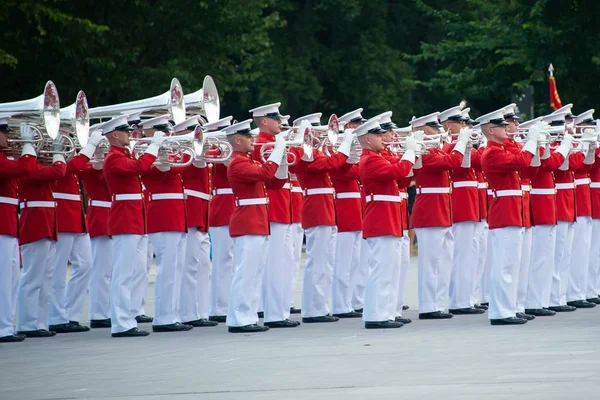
(462, 358)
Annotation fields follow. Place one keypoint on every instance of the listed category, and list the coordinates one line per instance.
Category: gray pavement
(462, 358)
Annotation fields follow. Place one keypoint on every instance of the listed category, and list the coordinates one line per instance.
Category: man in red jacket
(249, 224)
(126, 222)
(10, 172)
(379, 177)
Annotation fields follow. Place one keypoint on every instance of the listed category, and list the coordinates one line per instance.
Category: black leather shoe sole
(435, 315)
(294, 310)
(316, 320)
(37, 333)
(581, 304)
(594, 300)
(143, 319)
(508, 321)
(351, 314)
(283, 324)
(403, 320)
(218, 318)
(12, 338)
(562, 308)
(133, 332)
(100, 323)
(247, 329)
(540, 312)
(68, 328)
(176, 327)
(466, 311)
(202, 322)
(382, 325)
(528, 317)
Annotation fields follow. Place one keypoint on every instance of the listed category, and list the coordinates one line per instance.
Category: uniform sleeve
(77, 163)
(243, 170)
(321, 163)
(47, 173)
(121, 165)
(442, 162)
(476, 160)
(15, 168)
(576, 161)
(498, 160)
(378, 168)
(553, 162)
(347, 172)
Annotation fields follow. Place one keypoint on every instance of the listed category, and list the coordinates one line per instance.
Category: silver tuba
(204, 101)
(76, 117)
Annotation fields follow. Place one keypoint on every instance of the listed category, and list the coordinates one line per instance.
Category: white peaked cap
(566, 108)
(270, 110)
(370, 126)
(4, 120)
(134, 116)
(465, 113)
(285, 119)
(385, 118)
(451, 113)
(586, 116)
(240, 127)
(530, 123)
(190, 122)
(218, 124)
(495, 117)
(157, 121)
(555, 117)
(509, 109)
(314, 119)
(352, 116)
(109, 126)
(430, 119)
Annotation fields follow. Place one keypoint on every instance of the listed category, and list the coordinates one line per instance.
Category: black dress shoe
(405, 307)
(247, 328)
(69, 328)
(594, 300)
(481, 306)
(100, 323)
(466, 311)
(37, 333)
(12, 338)
(176, 327)
(487, 304)
(260, 314)
(201, 323)
(294, 310)
(143, 319)
(323, 318)
(562, 308)
(351, 314)
(383, 324)
(508, 321)
(360, 310)
(133, 332)
(528, 317)
(403, 320)
(435, 315)
(218, 318)
(540, 312)
(286, 323)
(581, 304)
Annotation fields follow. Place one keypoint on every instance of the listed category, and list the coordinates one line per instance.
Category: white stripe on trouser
(99, 285)
(277, 275)
(580, 259)
(592, 288)
(140, 282)
(222, 269)
(195, 277)
(381, 293)
(129, 265)
(562, 263)
(487, 271)
(34, 285)
(347, 257)
(9, 265)
(541, 266)
(297, 241)
(250, 252)
(359, 277)
(169, 248)
(435, 267)
(316, 289)
(523, 275)
(404, 267)
(506, 249)
(481, 232)
(464, 264)
(67, 299)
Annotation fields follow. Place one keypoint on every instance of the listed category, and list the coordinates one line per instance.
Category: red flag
(555, 102)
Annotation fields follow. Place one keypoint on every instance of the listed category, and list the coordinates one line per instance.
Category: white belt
(9, 200)
(490, 192)
(482, 185)
(287, 185)
(167, 196)
(41, 204)
(462, 184)
(127, 196)
(222, 191)
(100, 203)
(582, 181)
(595, 185)
(526, 188)
(384, 197)
(67, 196)
(195, 193)
(506, 193)
(403, 195)
(433, 190)
(310, 192)
(543, 191)
(297, 189)
(562, 186)
(348, 195)
(251, 202)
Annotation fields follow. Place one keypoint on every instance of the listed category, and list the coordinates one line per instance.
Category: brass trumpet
(303, 138)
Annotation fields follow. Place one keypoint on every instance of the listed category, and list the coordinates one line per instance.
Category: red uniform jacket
(348, 207)
(403, 183)
(39, 222)
(565, 189)
(10, 172)
(543, 191)
(431, 210)
(196, 182)
(69, 212)
(525, 176)
(582, 191)
(99, 201)
(501, 168)
(595, 186)
(379, 178)
(221, 203)
(481, 184)
(165, 215)
(296, 196)
(465, 193)
(249, 180)
(122, 173)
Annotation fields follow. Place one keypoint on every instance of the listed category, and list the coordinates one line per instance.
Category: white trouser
(592, 287)
(381, 293)
(169, 248)
(464, 264)
(222, 269)
(9, 267)
(487, 269)
(320, 251)
(481, 233)
(193, 298)
(404, 267)
(359, 277)
(435, 267)
(141, 284)
(523, 275)
(250, 252)
(34, 285)
(67, 300)
(129, 265)
(541, 266)
(277, 275)
(506, 249)
(347, 258)
(580, 259)
(297, 240)
(562, 263)
(99, 285)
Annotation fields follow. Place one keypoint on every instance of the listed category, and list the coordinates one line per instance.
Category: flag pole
(551, 70)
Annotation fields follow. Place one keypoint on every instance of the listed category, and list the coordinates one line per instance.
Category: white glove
(565, 165)
(536, 160)
(346, 142)
(277, 153)
(418, 164)
(93, 142)
(533, 136)
(28, 150)
(546, 152)
(56, 158)
(466, 162)
(410, 146)
(282, 171)
(354, 157)
(26, 132)
(307, 157)
(157, 140)
(163, 167)
(464, 137)
(199, 163)
(565, 146)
